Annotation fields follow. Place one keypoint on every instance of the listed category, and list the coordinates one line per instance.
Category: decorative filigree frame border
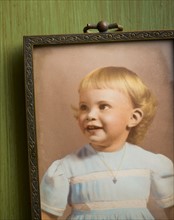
(49, 40)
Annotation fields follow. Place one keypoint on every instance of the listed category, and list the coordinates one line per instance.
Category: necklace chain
(109, 168)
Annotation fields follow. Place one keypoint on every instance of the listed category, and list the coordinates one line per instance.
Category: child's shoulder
(152, 160)
(139, 151)
(80, 153)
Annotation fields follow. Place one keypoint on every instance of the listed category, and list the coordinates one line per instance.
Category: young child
(111, 177)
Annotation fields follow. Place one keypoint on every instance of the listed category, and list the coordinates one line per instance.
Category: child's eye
(83, 107)
(104, 106)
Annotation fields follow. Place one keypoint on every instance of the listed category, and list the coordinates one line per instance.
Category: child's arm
(46, 216)
(170, 212)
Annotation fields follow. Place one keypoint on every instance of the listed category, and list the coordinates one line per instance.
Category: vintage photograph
(102, 128)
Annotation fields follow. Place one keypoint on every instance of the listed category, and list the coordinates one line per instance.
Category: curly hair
(129, 83)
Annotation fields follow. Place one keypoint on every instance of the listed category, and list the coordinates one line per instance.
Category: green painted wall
(39, 17)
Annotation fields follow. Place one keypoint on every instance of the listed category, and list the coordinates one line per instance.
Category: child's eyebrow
(82, 102)
(104, 101)
(100, 101)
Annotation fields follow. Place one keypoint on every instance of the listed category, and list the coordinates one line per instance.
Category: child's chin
(95, 141)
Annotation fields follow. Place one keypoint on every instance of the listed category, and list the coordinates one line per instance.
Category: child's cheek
(109, 118)
(81, 122)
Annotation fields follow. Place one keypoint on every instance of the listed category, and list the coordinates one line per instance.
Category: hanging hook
(102, 27)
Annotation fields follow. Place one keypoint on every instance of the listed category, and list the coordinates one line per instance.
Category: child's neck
(112, 148)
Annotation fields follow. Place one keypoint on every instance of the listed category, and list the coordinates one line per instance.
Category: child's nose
(92, 115)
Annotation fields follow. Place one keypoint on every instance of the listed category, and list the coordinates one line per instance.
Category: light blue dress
(85, 182)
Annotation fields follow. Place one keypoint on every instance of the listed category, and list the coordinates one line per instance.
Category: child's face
(104, 117)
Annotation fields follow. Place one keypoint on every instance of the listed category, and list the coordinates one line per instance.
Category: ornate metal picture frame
(54, 66)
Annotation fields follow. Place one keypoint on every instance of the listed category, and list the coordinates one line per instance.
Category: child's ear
(136, 117)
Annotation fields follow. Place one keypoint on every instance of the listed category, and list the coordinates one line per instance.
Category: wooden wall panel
(39, 17)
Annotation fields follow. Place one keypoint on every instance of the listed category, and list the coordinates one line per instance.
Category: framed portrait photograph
(54, 68)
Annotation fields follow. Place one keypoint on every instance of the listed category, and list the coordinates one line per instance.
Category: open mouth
(93, 127)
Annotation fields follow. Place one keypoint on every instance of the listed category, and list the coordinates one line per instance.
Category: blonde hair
(128, 82)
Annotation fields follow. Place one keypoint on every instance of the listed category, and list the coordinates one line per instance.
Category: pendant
(114, 180)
